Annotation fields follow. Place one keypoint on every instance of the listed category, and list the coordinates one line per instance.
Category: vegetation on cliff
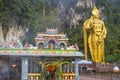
(36, 15)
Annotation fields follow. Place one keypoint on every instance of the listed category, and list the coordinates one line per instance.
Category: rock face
(17, 31)
(85, 3)
(70, 12)
(1, 37)
(74, 13)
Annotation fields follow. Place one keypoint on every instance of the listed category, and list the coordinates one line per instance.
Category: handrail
(34, 76)
(68, 76)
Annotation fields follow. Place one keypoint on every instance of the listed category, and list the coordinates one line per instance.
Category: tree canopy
(39, 14)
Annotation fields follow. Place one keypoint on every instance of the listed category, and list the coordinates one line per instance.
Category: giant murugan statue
(96, 37)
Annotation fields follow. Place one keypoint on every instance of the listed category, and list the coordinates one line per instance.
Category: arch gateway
(48, 61)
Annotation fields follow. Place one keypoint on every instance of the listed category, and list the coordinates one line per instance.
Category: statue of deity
(96, 37)
(51, 46)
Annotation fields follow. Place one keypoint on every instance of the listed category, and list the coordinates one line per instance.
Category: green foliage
(15, 12)
(75, 36)
(39, 14)
(35, 14)
(112, 41)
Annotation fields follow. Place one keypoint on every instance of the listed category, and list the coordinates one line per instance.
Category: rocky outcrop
(1, 37)
(72, 15)
(86, 3)
(15, 30)
(74, 18)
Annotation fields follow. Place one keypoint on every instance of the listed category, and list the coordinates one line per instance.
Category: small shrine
(50, 59)
(51, 39)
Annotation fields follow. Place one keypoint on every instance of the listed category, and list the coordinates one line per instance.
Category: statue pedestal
(103, 67)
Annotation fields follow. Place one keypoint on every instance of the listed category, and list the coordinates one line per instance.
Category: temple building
(50, 59)
(51, 39)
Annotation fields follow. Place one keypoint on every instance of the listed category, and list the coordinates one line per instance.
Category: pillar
(24, 68)
(31, 66)
(59, 73)
(71, 67)
(42, 71)
(68, 67)
(76, 70)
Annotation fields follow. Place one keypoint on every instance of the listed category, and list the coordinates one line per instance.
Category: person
(96, 37)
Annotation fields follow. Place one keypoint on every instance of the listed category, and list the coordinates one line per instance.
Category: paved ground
(102, 76)
(87, 78)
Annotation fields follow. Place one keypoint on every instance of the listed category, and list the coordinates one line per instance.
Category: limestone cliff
(14, 30)
(70, 12)
(76, 12)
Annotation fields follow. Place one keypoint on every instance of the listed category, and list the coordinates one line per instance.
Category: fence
(101, 75)
(101, 71)
(34, 76)
(68, 76)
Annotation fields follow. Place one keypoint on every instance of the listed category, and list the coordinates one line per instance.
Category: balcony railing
(68, 76)
(34, 76)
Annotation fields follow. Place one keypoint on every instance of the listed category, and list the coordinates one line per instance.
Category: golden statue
(96, 36)
(51, 46)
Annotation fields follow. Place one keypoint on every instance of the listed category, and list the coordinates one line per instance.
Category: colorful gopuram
(51, 39)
